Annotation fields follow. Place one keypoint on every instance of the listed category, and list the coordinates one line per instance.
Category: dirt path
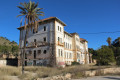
(101, 78)
(13, 78)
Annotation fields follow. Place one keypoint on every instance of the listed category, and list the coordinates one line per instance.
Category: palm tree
(119, 41)
(109, 41)
(31, 14)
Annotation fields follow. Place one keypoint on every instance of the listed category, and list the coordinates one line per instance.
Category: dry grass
(41, 72)
(10, 71)
(27, 76)
(77, 70)
(4, 78)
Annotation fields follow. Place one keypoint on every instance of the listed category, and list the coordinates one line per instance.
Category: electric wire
(101, 32)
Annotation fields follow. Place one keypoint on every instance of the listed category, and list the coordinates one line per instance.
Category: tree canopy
(8, 47)
(105, 55)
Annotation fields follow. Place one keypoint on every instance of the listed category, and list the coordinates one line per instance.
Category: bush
(75, 63)
(78, 75)
(105, 56)
(11, 71)
(118, 61)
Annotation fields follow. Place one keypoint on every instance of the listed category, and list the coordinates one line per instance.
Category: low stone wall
(9, 61)
(3, 62)
(58, 77)
(102, 72)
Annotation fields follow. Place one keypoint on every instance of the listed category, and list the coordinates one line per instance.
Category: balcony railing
(61, 44)
(78, 49)
(36, 44)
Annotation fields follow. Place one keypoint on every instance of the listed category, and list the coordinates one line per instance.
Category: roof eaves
(46, 19)
(68, 33)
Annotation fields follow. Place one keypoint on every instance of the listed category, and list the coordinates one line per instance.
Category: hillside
(8, 47)
(5, 41)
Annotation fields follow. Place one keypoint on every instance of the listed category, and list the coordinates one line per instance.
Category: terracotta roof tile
(81, 39)
(46, 19)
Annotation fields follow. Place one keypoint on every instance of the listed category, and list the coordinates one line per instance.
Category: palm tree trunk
(23, 55)
(109, 43)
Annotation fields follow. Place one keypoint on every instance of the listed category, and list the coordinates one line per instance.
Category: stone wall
(9, 61)
(58, 77)
(3, 62)
(102, 71)
(86, 73)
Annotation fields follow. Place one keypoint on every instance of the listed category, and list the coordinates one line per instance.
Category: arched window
(44, 28)
(58, 39)
(58, 52)
(35, 41)
(61, 40)
(60, 29)
(44, 39)
(45, 52)
(66, 45)
(61, 53)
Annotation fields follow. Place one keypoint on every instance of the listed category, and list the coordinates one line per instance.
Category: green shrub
(75, 63)
(105, 56)
(78, 75)
(118, 61)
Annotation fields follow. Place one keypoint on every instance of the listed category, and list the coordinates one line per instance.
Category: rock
(58, 77)
(68, 76)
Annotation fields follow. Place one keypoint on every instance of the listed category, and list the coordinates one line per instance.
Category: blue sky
(81, 16)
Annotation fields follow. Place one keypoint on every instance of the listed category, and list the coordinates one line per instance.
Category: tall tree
(105, 55)
(93, 52)
(31, 13)
(119, 40)
(14, 50)
(109, 41)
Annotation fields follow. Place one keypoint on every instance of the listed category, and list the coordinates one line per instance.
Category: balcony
(37, 44)
(60, 44)
(78, 49)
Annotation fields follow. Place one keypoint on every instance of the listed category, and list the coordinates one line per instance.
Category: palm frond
(21, 8)
(24, 4)
(25, 24)
(21, 22)
(40, 14)
(23, 12)
(35, 6)
(20, 15)
(31, 13)
(30, 4)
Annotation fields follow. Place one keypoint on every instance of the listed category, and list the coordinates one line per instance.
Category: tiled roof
(47, 19)
(83, 40)
(74, 33)
(68, 33)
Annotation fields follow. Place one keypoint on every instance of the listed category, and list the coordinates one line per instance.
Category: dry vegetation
(41, 72)
(10, 71)
(77, 71)
(7, 71)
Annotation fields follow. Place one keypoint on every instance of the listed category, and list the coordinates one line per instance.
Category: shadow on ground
(113, 78)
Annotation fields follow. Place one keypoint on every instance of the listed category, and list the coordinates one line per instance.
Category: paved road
(101, 78)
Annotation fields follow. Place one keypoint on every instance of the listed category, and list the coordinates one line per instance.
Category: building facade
(52, 45)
